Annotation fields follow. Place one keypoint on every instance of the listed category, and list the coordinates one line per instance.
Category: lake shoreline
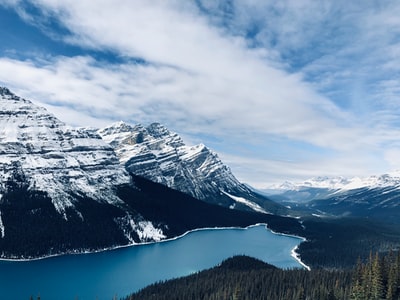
(127, 270)
(294, 254)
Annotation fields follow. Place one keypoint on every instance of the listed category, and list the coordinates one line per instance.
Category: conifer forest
(242, 277)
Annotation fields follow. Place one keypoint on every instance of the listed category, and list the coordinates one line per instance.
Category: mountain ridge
(160, 155)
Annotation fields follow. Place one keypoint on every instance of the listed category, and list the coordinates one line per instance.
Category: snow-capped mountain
(373, 196)
(160, 155)
(57, 174)
(64, 190)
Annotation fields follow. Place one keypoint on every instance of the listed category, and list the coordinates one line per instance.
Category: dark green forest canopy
(242, 277)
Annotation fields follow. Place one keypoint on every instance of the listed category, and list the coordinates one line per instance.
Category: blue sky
(282, 90)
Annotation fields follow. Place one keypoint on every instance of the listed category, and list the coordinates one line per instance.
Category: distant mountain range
(372, 197)
(65, 189)
(342, 183)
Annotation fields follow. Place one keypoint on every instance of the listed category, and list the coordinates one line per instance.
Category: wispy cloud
(194, 66)
(321, 73)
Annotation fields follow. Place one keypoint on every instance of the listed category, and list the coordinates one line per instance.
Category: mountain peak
(5, 91)
(6, 94)
(118, 127)
(23, 122)
(158, 130)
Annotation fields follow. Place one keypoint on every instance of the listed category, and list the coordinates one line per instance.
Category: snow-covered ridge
(160, 155)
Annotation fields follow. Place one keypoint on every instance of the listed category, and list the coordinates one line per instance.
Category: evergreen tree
(377, 279)
(377, 288)
(357, 289)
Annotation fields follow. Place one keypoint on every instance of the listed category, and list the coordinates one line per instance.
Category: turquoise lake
(122, 271)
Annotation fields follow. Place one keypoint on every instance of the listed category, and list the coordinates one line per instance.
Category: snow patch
(2, 229)
(252, 205)
(143, 229)
(146, 231)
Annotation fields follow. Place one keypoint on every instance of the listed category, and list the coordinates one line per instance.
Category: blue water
(122, 271)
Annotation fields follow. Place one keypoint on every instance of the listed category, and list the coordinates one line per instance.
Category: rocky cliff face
(160, 155)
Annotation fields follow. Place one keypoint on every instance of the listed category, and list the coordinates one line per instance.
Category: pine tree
(357, 289)
(377, 288)
(391, 283)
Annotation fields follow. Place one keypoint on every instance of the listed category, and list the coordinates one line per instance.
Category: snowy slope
(62, 176)
(160, 155)
(54, 158)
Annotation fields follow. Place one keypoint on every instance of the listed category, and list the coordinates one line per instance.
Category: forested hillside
(339, 242)
(242, 277)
